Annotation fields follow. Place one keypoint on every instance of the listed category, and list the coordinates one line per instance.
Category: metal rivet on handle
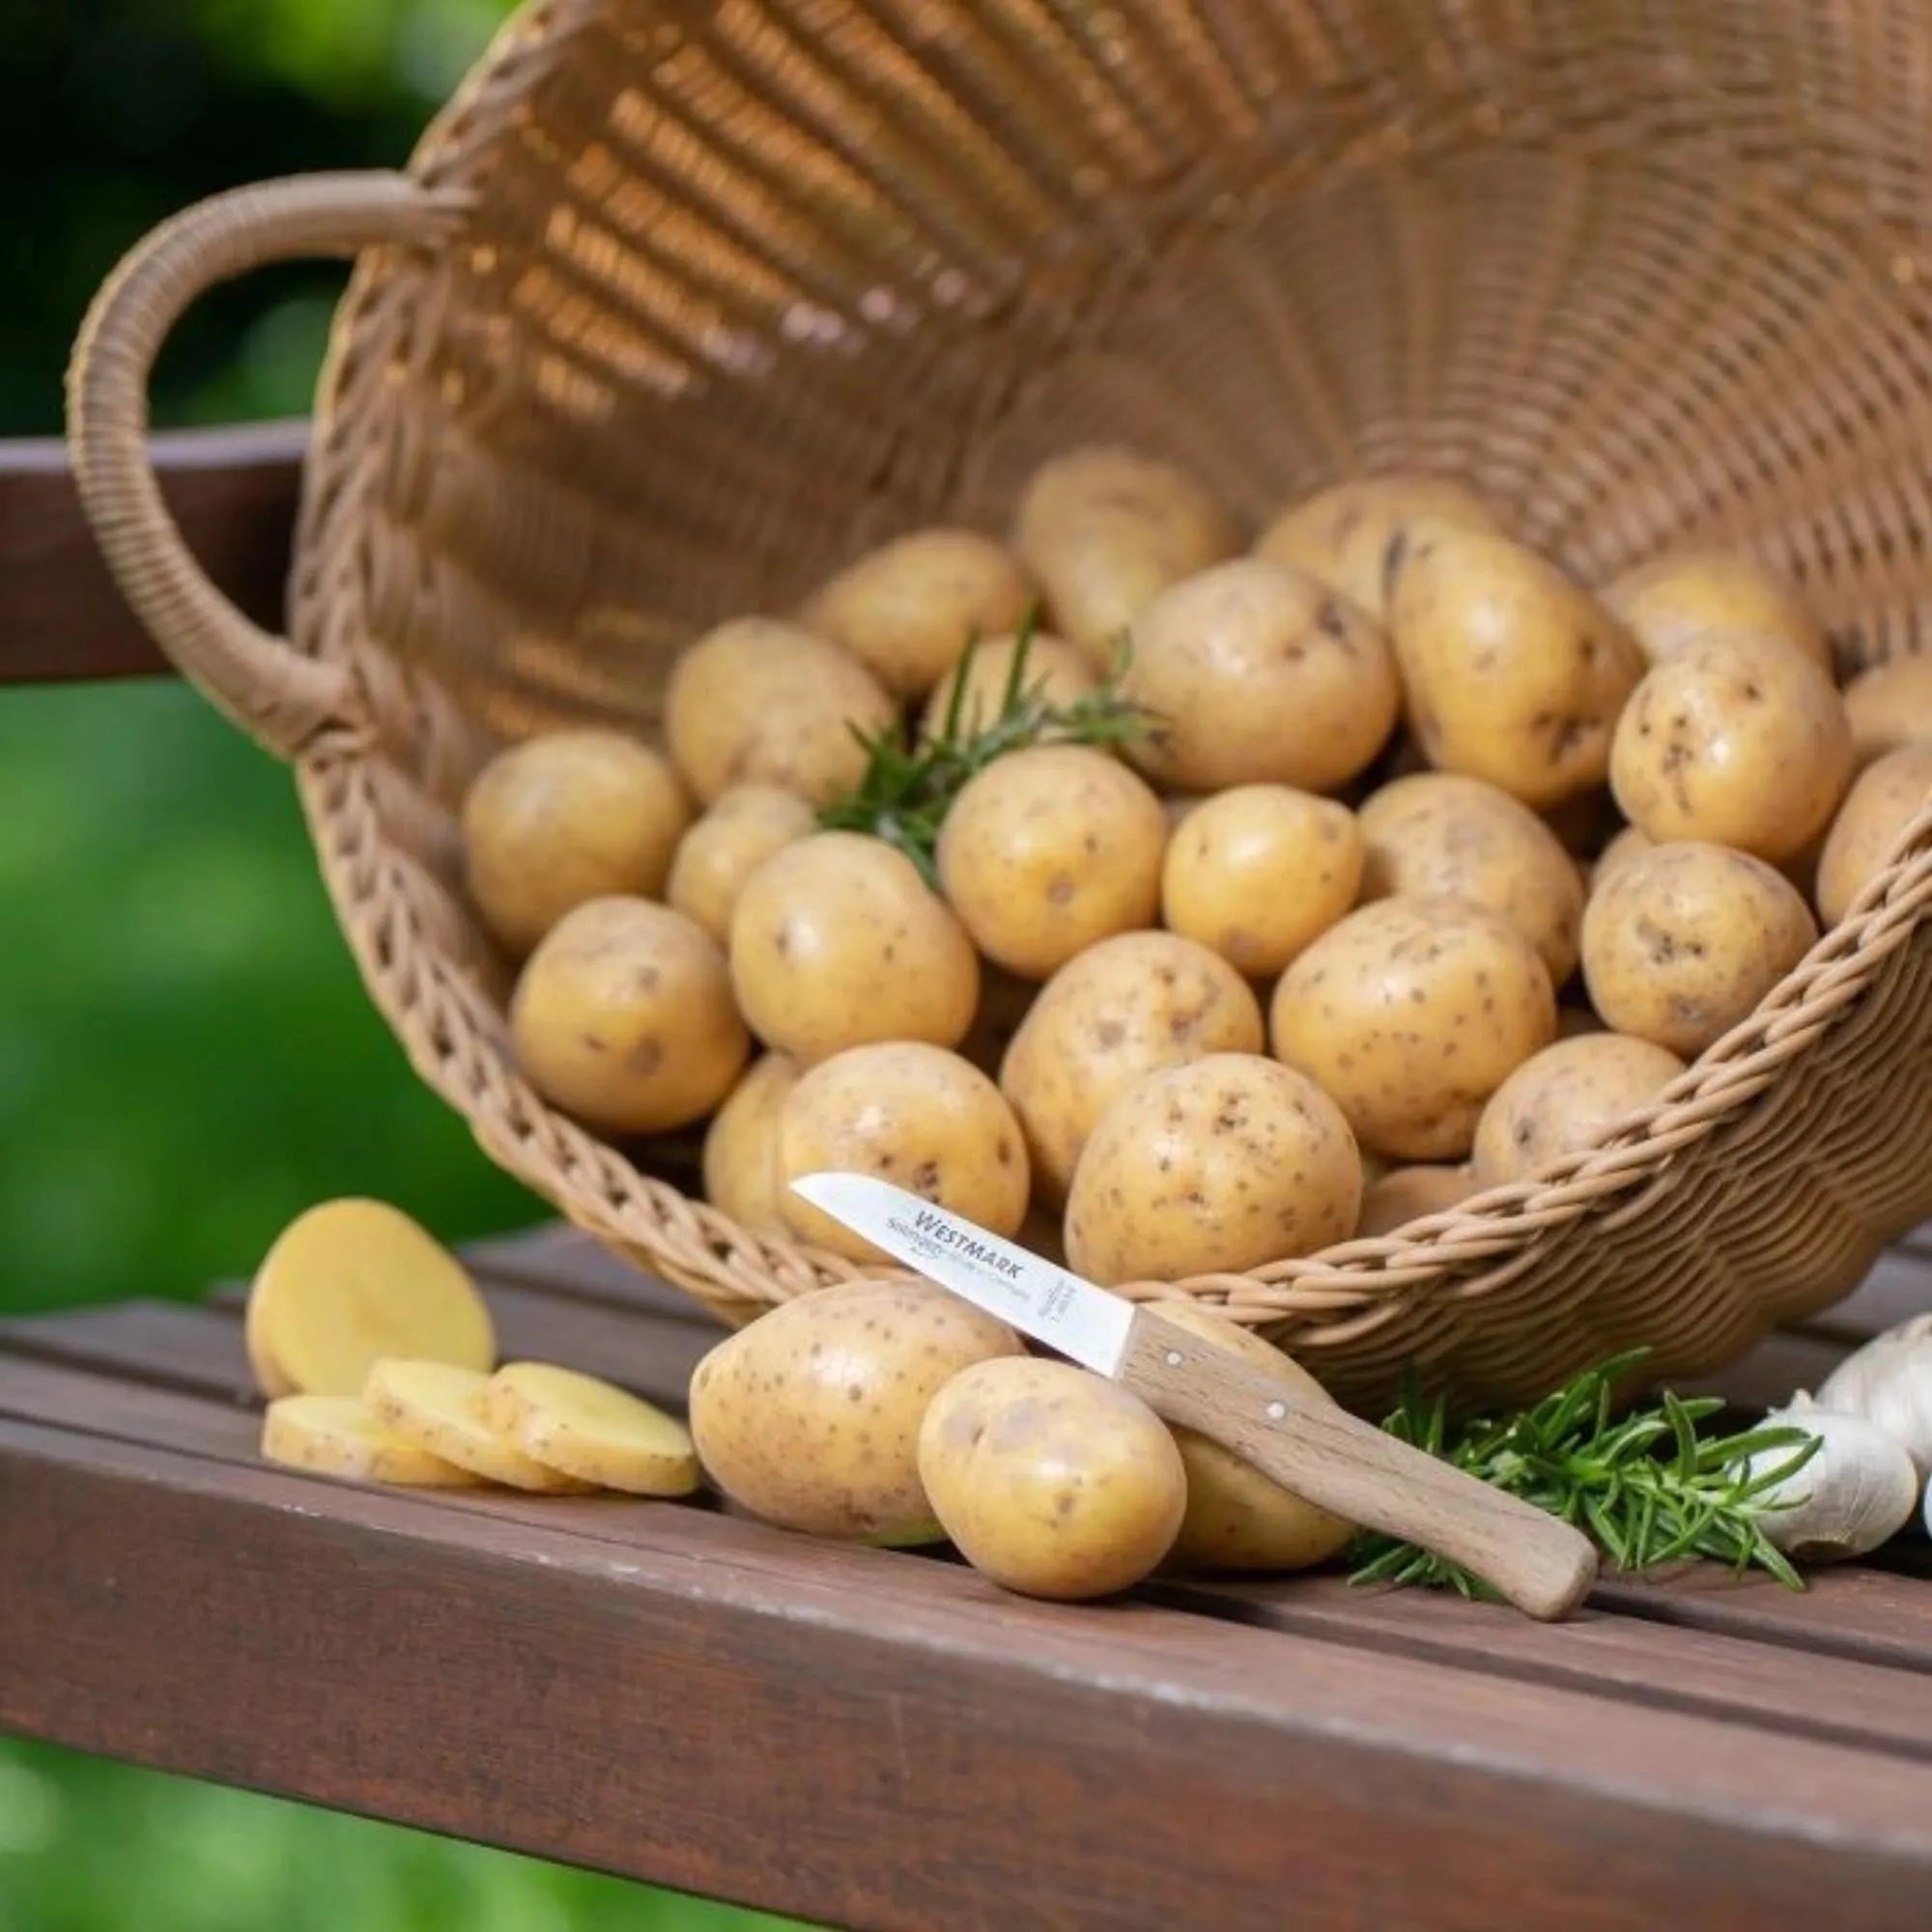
(1173, 1358)
(1276, 1410)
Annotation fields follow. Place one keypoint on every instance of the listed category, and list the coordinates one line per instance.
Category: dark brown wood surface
(879, 1738)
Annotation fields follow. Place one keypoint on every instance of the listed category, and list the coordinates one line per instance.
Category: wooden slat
(234, 492)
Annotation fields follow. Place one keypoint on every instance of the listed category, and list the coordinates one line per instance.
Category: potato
(1238, 1519)
(588, 1429)
(907, 609)
(1565, 1098)
(1890, 705)
(837, 941)
(762, 701)
(1211, 1168)
(715, 858)
(1627, 846)
(809, 1417)
(1104, 529)
(1887, 797)
(1440, 834)
(565, 817)
(1697, 593)
(1051, 1481)
(911, 1114)
(1055, 673)
(1351, 534)
(1681, 943)
(1258, 872)
(1049, 850)
(1124, 1008)
(1514, 674)
(1733, 741)
(439, 1409)
(336, 1435)
(349, 1281)
(624, 1017)
(1259, 674)
(1405, 1194)
(741, 1146)
(1410, 1013)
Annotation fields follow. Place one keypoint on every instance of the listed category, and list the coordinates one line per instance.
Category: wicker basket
(679, 303)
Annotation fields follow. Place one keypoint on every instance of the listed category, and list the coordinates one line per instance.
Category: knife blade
(1317, 1450)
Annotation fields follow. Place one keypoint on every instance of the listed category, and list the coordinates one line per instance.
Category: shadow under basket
(678, 306)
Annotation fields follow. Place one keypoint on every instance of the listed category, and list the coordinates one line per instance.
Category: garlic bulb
(1889, 1381)
(1858, 1487)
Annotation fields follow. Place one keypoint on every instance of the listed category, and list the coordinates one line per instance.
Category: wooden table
(880, 1738)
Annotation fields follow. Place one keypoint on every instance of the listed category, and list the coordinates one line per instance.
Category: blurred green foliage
(186, 1057)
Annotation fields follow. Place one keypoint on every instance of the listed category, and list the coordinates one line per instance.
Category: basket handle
(283, 698)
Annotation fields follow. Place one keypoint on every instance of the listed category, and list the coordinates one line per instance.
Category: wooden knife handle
(1332, 1458)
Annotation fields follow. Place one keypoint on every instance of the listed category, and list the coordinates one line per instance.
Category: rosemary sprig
(907, 788)
(1644, 1484)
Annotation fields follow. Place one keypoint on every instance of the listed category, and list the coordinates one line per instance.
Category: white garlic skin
(1859, 1489)
(1889, 1381)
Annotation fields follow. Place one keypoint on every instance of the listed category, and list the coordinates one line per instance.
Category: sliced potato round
(336, 1435)
(585, 1428)
(440, 1409)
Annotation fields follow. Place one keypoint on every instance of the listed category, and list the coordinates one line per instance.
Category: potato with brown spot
(1733, 741)
(1440, 834)
(1689, 594)
(1888, 796)
(1211, 1168)
(1890, 705)
(1405, 1194)
(1053, 1482)
(1683, 942)
(762, 701)
(1124, 1008)
(1256, 673)
(1259, 873)
(624, 1017)
(1054, 674)
(837, 941)
(916, 1115)
(741, 1146)
(565, 817)
(1049, 850)
(811, 1416)
(715, 858)
(1568, 1096)
(1514, 674)
(1410, 1013)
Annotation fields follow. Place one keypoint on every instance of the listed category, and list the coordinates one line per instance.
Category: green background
(186, 1058)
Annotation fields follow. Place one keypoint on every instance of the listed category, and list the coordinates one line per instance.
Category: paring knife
(1321, 1452)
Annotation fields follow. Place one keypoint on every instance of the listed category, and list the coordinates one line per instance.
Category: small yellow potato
(1514, 674)
(1568, 1096)
(1350, 535)
(623, 1016)
(1211, 1168)
(1055, 673)
(741, 1146)
(349, 1281)
(1890, 705)
(565, 817)
(838, 942)
(336, 1435)
(1733, 741)
(1627, 844)
(1410, 1013)
(762, 701)
(715, 858)
(588, 1429)
(809, 1417)
(1237, 1517)
(1405, 1194)
(1259, 674)
(1681, 943)
(1053, 1482)
(1123, 1009)
(1439, 834)
(1257, 873)
(1049, 850)
(1889, 795)
(1699, 593)
(914, 1114)
(908, 609)
(441, 1409)
(1103, 531)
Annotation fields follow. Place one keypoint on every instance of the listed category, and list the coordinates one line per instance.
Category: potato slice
(440, 1407)
(351, 1281)
(585, 1428)
(336, 1435)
